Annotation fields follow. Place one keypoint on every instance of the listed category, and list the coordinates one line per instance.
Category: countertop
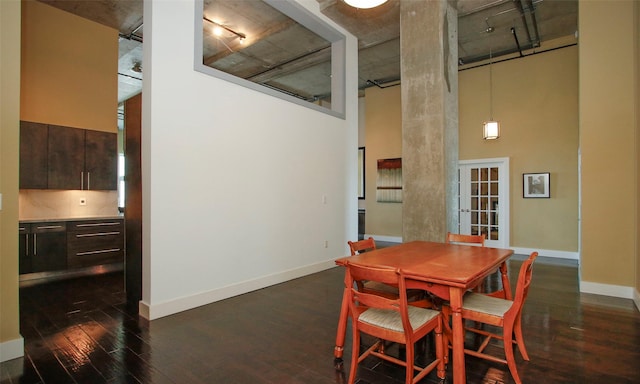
(28, 221)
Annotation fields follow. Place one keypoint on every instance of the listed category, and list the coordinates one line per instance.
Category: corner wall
(240, 189)
(69, 69)
(609, 107)
(11, 342)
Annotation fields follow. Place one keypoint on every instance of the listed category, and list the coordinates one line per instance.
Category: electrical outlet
(83, 201)
(326, 243)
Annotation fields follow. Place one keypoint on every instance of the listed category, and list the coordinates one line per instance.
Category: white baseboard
(11, 349)
(636, 299)
(156, 311)
(547, 253)
(609, 290)
(517, 250)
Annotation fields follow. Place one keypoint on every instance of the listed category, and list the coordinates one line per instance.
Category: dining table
(445, 270)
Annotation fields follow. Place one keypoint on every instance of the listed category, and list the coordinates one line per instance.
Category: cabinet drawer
(95, 242)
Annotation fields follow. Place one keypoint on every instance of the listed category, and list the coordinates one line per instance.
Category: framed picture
(389, 182)
(361, 173)
(535, 185)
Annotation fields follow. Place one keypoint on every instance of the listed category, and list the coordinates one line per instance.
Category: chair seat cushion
(389, 319)
(486, 304)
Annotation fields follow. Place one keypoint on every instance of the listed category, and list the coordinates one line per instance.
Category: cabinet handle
(49, 227)
(88, 180)
(95, 252)
(97, 234)
(27, 245)
(35, 244)
(98, 224)
(81, 180)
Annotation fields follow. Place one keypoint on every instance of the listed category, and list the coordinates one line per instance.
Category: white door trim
(504, 222)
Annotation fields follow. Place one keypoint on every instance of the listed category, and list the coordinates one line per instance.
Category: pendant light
(365, 4)
(491, 128)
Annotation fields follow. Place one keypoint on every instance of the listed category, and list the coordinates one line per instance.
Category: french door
(483, 197)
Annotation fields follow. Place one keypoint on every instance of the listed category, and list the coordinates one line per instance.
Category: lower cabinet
(66, 245)
(42, 247)
(94, 242)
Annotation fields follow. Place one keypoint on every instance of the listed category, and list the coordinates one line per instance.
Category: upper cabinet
(33, 155)
(101, 160)
(75, 158)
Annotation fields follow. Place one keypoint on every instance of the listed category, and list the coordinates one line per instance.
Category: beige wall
(609, 108)
(535, 99)
(383, 140)
(10, 340)
(636, 44)
(539, 134)
(69, 69)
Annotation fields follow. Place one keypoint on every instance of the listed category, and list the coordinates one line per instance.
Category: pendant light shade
(490, 130)
(364, 4)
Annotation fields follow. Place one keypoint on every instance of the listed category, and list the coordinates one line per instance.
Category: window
(273, 46)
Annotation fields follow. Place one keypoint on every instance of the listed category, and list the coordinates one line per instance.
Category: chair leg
(441, 347)
(520, 340)
(355, 354)
(410, 358)
(508, 351)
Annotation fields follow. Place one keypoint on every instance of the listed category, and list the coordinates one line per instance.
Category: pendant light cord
(490, 86)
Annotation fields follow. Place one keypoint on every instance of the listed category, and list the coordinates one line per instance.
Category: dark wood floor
(78, 331)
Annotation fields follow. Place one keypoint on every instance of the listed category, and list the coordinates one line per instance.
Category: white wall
(233, 179)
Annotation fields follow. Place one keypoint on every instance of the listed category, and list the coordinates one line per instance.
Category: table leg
(506, 285)
(455, 302)
(342, 331)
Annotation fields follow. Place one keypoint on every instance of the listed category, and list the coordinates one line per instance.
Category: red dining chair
(478, 240)
(393, 320)
(457, 238)
(377, 287)
(501, 313)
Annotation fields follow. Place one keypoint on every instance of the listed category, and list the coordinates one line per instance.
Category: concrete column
(429, 55)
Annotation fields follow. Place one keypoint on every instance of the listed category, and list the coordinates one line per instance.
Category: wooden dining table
(445, 270)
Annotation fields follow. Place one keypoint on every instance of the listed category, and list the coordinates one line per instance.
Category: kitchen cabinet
(42, 247)
(33, 155)
(57, 157)
(82, 159)
(95, 242)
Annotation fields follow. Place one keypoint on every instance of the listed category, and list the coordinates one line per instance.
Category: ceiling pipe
(515, 36)
(534, 22)
(132, 35)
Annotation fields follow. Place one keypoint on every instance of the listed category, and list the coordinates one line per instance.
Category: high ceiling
(485, 27)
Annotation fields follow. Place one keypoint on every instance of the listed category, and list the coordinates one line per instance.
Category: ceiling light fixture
(365, 4)
(491, 128)
(219, 27)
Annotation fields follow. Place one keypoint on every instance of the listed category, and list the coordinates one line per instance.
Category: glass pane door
(480, 199)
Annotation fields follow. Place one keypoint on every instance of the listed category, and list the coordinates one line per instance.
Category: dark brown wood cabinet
(66, 158)
(101, 160)
(33, 155)
(42, 247)
(57, 157)
(95, 242)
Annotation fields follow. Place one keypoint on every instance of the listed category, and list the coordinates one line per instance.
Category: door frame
(504, 218)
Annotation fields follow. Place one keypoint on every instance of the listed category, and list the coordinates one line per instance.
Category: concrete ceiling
(281, 54)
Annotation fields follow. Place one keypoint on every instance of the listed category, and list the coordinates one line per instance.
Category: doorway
(483, 197)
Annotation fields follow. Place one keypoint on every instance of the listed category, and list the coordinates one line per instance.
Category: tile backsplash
(36, 204)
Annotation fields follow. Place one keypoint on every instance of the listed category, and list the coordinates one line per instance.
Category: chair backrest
(467, 239)
(390, 276)
(361, 246)
(522, 287)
